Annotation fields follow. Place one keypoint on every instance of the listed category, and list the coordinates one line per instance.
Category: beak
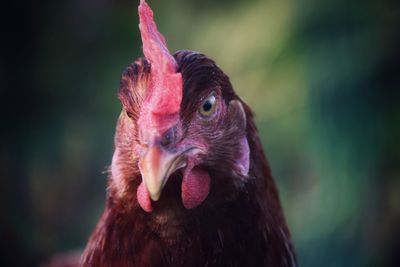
(156, 165)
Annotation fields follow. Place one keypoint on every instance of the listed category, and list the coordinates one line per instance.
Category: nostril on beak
(168, 137)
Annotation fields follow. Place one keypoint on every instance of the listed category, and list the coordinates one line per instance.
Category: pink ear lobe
(195, 187)
(243, 162)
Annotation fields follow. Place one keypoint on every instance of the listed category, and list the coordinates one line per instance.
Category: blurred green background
(322, 77)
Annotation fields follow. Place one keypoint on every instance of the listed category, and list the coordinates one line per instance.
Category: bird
(189, 183)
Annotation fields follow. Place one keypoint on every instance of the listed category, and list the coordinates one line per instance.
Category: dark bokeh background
(322, 76)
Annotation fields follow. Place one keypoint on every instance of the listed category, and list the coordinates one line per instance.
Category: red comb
(164, 93)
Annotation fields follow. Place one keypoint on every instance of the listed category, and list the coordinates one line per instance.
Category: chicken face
(187, 120)
(209, 132)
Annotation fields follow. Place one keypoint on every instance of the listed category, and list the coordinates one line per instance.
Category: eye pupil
(207, 106)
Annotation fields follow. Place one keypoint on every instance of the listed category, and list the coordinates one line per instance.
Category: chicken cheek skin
(195, 187)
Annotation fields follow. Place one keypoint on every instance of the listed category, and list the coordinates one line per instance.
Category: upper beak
(156, 165)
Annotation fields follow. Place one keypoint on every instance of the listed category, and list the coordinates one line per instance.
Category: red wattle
(195, 187)
(143, 198)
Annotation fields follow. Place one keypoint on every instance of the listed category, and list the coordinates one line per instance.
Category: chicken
(189, 183)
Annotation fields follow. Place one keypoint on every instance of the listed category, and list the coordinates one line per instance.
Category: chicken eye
(208, 106)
